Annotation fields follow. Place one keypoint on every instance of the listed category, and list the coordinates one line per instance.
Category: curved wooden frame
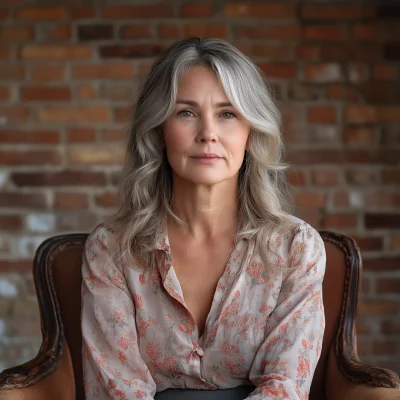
(49, 355)
(346, 347)
(51, 350)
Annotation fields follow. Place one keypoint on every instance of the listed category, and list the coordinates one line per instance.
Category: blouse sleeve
(112, 365)
(285, 363)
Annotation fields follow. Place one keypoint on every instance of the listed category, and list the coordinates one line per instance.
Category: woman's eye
(227, 114)
(185, 113)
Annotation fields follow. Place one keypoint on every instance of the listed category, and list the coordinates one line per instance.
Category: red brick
(369, 243)
(362, 135)
(169, 31)
(279, 70)
(197, 10)
(3, 13)
(79, 135)
(86, 92)
(337, 11)
(389, 31)
(17, 33)
(385, 72)
(343, 92)
(281, 32)
(141, 50)
(296, 178)
(82, 12)
(377, 307)
(341, 198)
(107, 200)
(46, 93)
(378, 92)
(320, 73)
(310, 215)
(113, 135)
(123, 114)
(322, 115)
(74, 114)
(390, 327)
(135, 32)
(5, 93)
(325, 32)
(362, 328)
(307, 52)
(15, 113)
(52, 52)
(273, 52)
(383, 199)
(95, 32)
(95, 156)
(59, 32)
(158, 10)
(62, 178)
(390, 175)
(12, 72)
(361, 177)
(11, 223)
(41, 13)
(103, 71)
(5, 52)
(71, 201)
(335, 156)
(29, 136)
(339, 221)
(382, 221)
(270, 10)
(384, 347)
(44, 73)
(392, 52)
(23, 200)
(324, 178)
(360, 113)
(215, 30)
(310, 199)
(357, 72)
(389, 114)
(75, 221)
(16, 266)
(30, 157)
(365, 31)
(389, 285)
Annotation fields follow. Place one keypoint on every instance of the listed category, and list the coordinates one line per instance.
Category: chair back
(57, 274)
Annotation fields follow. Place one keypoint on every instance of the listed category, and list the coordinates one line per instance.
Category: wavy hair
(145, 189)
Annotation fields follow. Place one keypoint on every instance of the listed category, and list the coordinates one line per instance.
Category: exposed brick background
(69, 72)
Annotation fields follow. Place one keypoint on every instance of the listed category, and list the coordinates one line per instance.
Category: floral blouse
(264, 328)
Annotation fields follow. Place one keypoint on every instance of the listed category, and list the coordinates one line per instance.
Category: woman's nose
(207, 131)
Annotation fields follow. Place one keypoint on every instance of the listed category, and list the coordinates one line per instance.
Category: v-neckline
(212, 310)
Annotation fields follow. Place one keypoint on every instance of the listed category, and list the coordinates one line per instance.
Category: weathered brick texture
(69, 74)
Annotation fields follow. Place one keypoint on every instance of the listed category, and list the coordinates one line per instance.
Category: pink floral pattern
(265, 326)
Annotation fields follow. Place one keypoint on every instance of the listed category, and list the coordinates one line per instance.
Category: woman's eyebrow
(195, 104)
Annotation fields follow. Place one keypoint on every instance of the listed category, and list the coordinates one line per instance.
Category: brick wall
(68, 75)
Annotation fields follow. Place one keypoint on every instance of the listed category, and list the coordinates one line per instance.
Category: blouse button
(199, 351)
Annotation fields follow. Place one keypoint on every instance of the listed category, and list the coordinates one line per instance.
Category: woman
(202, 280)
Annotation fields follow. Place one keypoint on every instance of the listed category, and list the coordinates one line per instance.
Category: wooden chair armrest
(29, 382)
(355, 380)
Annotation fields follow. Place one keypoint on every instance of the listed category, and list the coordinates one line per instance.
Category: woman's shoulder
(102, 234)
(295, 230)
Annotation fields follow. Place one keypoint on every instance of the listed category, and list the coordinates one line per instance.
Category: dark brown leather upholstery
(56, 373)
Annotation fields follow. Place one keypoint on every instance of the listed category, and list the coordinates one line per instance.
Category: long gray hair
(145, 192)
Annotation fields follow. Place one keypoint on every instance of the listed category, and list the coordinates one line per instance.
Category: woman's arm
(112, 365)
(284, 365)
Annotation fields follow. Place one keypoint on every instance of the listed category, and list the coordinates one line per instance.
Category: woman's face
(204, 122)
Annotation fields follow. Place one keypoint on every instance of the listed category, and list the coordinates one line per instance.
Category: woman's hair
(145, 192)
